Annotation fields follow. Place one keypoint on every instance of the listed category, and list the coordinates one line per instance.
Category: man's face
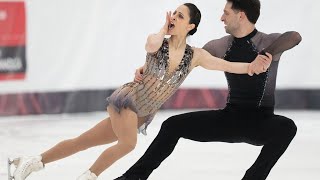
(231, 19)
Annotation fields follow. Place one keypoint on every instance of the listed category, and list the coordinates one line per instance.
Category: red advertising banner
(12, 40)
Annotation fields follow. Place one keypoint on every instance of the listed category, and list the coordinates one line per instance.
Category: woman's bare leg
(100, 134)
(125, 127)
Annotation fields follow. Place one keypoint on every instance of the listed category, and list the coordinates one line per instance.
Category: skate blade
(10, 177)
(15, 162)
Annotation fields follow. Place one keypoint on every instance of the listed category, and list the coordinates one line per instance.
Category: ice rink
(31, 135)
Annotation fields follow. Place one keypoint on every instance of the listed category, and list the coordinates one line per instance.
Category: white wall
(96, 44)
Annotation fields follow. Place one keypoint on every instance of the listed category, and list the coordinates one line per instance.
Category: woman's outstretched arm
(207, 61)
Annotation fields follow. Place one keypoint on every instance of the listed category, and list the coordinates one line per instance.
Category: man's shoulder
(218, 47)
(226, 38)
(223, 41)
(265, 36)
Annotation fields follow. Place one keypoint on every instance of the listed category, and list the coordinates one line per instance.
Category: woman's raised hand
(165, 28)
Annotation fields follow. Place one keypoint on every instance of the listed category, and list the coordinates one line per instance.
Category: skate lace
(29, 167)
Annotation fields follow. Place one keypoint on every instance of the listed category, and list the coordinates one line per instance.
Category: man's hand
(138, 75)
(260, 64)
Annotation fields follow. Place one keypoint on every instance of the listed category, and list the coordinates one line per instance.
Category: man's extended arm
(284, 42)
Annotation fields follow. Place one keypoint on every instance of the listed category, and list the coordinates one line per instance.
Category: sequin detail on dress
(157, 85)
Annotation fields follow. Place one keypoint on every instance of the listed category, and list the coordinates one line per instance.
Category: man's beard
(227, 30)
(230, 29)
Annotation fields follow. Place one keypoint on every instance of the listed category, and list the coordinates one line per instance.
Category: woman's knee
(127, 146)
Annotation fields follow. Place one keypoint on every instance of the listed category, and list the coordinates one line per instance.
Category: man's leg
(201, 126)
(276, 134)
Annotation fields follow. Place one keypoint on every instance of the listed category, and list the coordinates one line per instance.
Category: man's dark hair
(195, 16)
(250, 7)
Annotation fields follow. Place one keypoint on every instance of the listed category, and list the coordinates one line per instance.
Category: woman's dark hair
(195, 16)
(250, 7)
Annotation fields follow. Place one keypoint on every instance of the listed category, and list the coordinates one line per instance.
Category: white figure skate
(88, 175)
(24, 166)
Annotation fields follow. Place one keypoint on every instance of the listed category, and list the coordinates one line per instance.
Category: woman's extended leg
(125, 128)
(100, 134)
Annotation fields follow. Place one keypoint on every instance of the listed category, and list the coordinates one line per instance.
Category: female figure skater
(133, 105)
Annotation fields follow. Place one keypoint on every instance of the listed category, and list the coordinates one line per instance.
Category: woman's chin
(171, 33)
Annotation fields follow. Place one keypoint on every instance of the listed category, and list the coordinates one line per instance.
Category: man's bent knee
(171, 123)
(292, 128)
(288, 128)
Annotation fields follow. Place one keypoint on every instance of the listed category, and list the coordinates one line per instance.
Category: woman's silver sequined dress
(158, 84)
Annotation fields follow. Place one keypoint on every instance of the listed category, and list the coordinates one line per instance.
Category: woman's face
(180, 21)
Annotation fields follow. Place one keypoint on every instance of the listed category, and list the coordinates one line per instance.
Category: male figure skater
(249, 113)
